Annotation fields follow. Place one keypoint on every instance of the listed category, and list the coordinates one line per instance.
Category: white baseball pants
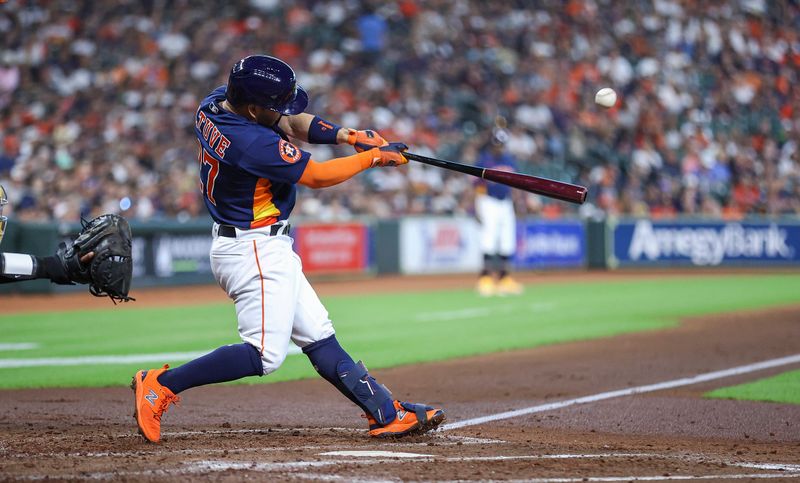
(498, 225)
(274, 301)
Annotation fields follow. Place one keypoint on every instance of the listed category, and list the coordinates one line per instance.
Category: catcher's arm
(18, 267)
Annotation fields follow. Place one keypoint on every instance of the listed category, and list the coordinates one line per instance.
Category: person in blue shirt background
(494, 209)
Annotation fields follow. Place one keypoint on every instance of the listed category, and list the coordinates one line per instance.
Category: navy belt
(274, 230)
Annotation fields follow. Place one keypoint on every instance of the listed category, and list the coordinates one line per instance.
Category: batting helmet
(3, 201)
(268, 82)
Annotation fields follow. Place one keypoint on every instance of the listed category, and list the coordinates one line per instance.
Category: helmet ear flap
(298, 104)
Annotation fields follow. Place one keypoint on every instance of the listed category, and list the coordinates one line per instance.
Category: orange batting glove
(365, 140)
(389, 155)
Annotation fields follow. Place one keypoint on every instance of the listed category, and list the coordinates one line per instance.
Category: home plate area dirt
(305, 430)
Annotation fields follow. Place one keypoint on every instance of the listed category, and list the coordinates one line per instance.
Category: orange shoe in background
(486, 286)
(509, 286)
(411, 419)
(151, 401)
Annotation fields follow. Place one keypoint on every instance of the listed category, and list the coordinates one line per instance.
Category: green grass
(783, 388)
(386, 329)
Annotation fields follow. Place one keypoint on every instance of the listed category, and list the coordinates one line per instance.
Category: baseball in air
(606, 97)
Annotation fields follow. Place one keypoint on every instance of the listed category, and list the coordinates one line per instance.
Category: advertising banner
(138, 247)
(178, 253)
(550, 244)
(439, 245)
(711, 243)
(333, 248)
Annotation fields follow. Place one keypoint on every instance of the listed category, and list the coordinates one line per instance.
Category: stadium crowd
(97, 100)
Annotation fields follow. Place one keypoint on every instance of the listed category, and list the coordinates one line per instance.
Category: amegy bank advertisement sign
(440, 245)
(646, 242)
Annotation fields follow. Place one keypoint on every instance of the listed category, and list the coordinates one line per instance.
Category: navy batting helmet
(268, 82)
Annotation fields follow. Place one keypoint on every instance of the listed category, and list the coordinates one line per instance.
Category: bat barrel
(542, 186)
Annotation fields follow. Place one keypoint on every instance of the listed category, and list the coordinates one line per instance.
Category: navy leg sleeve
(332, 363)
(227, 363)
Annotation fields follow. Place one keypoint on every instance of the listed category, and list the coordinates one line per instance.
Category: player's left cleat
(486, 286)
(509, 286)
(151, 401)
(411, 419)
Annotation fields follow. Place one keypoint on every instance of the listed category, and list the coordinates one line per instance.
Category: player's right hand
(389, 155)
(365, 140)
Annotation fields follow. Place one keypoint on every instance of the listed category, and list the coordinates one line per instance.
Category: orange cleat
(509, 286)
(486, 286)
(411, 419)
(151, 401)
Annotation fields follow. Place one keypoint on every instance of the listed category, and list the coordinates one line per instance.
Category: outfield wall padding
(169, 252)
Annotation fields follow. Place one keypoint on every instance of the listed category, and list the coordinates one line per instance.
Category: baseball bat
(541, 186)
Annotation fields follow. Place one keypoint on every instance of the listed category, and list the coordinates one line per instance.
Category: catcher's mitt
(109, 271)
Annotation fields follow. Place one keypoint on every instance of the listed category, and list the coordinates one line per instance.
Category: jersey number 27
(207, 184)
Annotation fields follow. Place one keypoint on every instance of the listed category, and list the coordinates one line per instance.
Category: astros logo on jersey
(289, 152)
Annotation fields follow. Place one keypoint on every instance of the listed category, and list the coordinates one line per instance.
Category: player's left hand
(365, 140)
(389, 155)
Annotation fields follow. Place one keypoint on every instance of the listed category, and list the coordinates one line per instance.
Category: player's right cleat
(151, 401)
(509, 286)
(486, 286)
(410, 419)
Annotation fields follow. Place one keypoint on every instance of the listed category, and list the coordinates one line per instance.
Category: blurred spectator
(97, 99)
(372, 28)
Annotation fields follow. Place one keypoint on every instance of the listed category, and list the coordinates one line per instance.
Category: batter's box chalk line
(787, 471)
(685, 381)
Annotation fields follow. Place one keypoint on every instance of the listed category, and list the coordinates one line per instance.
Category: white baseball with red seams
(606, 97)
(274, 301)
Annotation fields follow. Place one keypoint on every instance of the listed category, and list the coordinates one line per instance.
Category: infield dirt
(281, 431)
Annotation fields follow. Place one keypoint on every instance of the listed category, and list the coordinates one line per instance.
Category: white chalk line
(685, 381)
(787, 470)
(202, 466)
(375, 454)
(769, 466)
(349, 479)
(750, 476)
(18, 346)
(440, 439)
(745, 476)
(110, 359)
(476, 312)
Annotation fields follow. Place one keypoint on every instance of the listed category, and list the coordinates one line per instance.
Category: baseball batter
(249, 170)
(494, 209)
